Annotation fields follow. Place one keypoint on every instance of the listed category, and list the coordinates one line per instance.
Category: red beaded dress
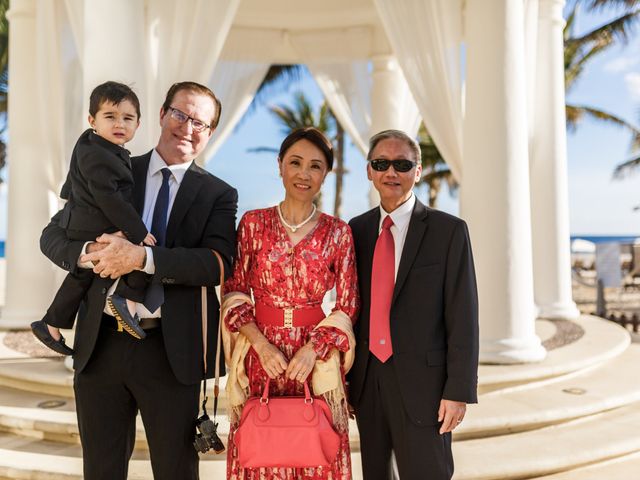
(284, 275)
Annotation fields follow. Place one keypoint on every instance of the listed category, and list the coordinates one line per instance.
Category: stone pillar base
(511, 350)
(19, 318)
(559, 311)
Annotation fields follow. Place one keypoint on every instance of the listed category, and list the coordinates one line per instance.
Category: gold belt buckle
(288, 317)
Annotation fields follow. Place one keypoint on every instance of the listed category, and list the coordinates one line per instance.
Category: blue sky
(598, 204)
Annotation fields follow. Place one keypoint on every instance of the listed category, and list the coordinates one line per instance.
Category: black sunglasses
(402, 165)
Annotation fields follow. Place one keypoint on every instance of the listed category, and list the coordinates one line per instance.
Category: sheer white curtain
(347, 89)
(347, 84)
(235, 84)
(75, 14)
(185, 41)
(426, 37)
(55, 55)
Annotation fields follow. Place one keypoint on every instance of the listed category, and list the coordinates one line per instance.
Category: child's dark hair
(112, 92)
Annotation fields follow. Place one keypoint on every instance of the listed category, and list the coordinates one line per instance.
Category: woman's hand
(302, 363)
(272, 359)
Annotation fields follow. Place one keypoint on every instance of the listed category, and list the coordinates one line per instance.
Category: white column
(548, 167)
(386, 108)
(495, 192)
(29, 275)
(114, 49)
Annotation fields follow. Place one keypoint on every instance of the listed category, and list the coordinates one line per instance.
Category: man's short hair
(198, 89)
(112, 92)
(399, 135)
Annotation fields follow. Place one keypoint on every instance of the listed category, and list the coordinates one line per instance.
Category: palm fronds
(602, 4)
(4, 77)
(434, 169)
(580, 49)
(575, 113)
(301, 114)
(278, 79)
(626, 168)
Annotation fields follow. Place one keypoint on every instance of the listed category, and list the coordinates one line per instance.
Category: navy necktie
(159, 221)
(155, 293)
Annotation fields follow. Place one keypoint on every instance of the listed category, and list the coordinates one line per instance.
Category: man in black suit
(417, 334)
(115, 374)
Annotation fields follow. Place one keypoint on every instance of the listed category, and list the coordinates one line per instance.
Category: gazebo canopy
(380, 64)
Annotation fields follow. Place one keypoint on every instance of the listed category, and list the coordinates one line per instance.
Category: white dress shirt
(401, 217)
(154, 181)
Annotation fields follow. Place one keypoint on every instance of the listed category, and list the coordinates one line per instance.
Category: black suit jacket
(434, 312)
(202, 218)
(99, 190)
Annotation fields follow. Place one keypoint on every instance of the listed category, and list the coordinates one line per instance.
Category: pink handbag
(286, 432)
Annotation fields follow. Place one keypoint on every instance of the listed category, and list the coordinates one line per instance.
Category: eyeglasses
(401, 165)
(181, 117)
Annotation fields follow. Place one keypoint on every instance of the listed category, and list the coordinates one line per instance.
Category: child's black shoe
(126, 321)
(40, 330)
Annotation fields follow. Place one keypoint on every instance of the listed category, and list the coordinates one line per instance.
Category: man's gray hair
(399, 135)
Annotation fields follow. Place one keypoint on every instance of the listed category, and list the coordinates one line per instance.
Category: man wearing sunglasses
(417, 334)
(190, 212)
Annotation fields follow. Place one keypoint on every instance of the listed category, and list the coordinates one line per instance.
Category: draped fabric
(426, 37)
(58, 69)
(235, 83)
(185, 41)
(347, 83)
(347, 88)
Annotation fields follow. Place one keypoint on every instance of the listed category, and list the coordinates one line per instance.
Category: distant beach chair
(608, 268)
(632, 279)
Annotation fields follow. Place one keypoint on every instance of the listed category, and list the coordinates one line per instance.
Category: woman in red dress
(289, 256)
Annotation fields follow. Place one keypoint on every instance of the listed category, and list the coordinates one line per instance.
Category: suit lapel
(372, 225)
(139, 167)
(187, 193)
(417, 228)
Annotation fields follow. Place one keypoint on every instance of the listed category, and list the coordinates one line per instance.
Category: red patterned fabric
(282, 275)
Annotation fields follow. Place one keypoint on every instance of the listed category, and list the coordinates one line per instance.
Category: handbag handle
(264, 399)
(216, 383)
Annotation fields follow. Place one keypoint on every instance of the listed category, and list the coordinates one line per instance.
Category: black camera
(207, 436)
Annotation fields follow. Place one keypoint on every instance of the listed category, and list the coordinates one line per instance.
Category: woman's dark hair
(314, 136)
(112, 92)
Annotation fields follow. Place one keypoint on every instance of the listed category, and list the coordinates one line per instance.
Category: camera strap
(216, 384)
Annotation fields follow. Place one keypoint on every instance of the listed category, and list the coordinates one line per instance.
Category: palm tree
(629, 166)
(4, 76)
(434, 168)
(302, 114)
(601, 39)
(579, 50)
(279, 78)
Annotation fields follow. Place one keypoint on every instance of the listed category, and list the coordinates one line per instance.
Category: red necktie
(382, 283)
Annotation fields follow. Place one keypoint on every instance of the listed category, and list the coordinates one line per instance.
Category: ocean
(607, 238)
